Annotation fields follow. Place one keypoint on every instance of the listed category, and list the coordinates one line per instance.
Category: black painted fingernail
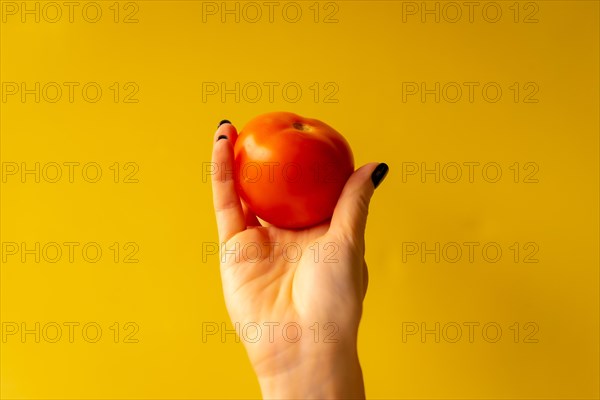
(221, 137)
(379, 174)
(225, 121)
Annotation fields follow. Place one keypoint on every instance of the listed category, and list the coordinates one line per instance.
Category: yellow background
(367, 54)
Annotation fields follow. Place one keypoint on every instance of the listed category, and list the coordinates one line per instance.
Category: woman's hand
(295, 296)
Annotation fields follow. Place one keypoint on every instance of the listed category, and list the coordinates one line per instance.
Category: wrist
(331, 373)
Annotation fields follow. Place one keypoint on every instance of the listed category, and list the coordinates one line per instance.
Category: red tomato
(291, 170)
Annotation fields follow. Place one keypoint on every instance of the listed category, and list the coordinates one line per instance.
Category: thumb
(350, 214)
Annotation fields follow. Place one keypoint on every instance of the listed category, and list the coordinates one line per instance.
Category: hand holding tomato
(265, 287)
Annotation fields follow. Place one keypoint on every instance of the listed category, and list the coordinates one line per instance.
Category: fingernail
(221, 137)
(225, 121)
(379, 174)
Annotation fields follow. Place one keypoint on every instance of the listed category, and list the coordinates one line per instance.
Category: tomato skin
(291, 170)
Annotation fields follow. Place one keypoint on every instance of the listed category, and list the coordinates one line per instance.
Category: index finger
(228, 208)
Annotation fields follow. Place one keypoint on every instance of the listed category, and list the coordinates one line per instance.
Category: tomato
(291, 170)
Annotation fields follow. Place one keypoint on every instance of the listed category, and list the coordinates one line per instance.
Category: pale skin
(316, 293)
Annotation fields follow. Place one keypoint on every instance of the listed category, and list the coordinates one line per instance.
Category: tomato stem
(300, 126)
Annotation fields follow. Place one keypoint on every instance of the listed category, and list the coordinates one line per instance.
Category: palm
(279, 274)
(300, 277)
